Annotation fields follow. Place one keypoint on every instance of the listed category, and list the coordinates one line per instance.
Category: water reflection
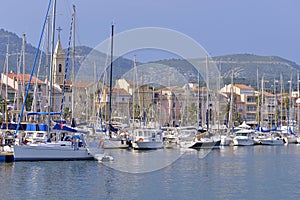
(137, 161)
(257, 172)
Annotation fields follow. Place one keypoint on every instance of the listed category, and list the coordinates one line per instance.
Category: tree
(67, 113)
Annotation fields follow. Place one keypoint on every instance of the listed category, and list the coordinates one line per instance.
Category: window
(59, 68)
(251, 99)
(251, 108)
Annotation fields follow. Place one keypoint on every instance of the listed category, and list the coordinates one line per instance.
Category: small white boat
(272, 138)
(170, 137)
(98, 154)
(226, 140)
(272, 141)
(201, 143)
(115, 143)
(298, 139)
(244, 137)
(289, 138)
(147, 139)
(186, 133)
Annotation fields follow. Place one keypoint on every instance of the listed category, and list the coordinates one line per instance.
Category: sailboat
(71, 146)
(204, 140)
(112, 138)
(227, 138)
(143, 138)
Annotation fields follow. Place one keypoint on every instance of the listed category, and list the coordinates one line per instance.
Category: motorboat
(201, 142)
(244, 137)
(144, 138)
(273, 138)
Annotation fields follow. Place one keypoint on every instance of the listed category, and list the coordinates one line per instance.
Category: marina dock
(6, 156)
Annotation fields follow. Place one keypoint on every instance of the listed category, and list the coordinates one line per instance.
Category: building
(244, 102)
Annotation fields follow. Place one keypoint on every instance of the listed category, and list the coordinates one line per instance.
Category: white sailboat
(76, 148)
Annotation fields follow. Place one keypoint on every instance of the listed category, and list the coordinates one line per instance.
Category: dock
(6, 156)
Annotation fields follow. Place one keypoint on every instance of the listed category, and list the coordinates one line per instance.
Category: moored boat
(75, 149)
(244, 137)
(271, 138)
(201, 143)
(144, 139)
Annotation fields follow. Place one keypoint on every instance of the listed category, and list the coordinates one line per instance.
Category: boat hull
(243, 142)
(290, 140)
(226, 141)
(271, 142)
(147, 145)
(115, 144)
(201, 144)
(50, 153)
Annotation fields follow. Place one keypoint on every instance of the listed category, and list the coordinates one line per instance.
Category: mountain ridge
(244, 66)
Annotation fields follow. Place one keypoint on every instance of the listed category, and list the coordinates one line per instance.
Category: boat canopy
(36, 127)
(43, 113)
(13, 126)
(258, 128)
(63, 127)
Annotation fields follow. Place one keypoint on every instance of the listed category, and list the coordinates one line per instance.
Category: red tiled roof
(26, 77)
(242, 86)
(268, 94)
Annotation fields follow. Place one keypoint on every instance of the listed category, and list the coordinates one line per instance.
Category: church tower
(59, 62)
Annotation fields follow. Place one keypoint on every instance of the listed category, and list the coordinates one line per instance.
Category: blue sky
(262, 27)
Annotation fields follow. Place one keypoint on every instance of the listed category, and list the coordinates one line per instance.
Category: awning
(43, 113)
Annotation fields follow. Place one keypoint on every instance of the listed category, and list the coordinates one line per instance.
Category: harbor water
(254, 172)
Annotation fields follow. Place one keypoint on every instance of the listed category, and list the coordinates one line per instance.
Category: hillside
(14, 43)
(244, 66)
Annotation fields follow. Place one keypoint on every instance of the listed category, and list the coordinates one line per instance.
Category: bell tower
(59, 62)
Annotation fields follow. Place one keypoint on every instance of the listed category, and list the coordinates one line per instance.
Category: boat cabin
(147, 135)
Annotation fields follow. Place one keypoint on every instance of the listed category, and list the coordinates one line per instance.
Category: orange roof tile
(242, 86)
(269, 94)
(26, 77)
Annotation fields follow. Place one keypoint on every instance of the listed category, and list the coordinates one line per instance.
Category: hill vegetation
(243, 66)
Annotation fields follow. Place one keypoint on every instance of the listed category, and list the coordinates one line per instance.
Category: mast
(207, 94)
(6, 90)
(263, 107)
(230, 117)
(51, 67)
(275, 104)
(282, 99)
(133, 90)
(258, 99)
(6, 69)
(198, 102)
(110, 77)
(47, 55)
(290, 105)
(31, 74)
(23, 60)
(73, 69)
(297, 102)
